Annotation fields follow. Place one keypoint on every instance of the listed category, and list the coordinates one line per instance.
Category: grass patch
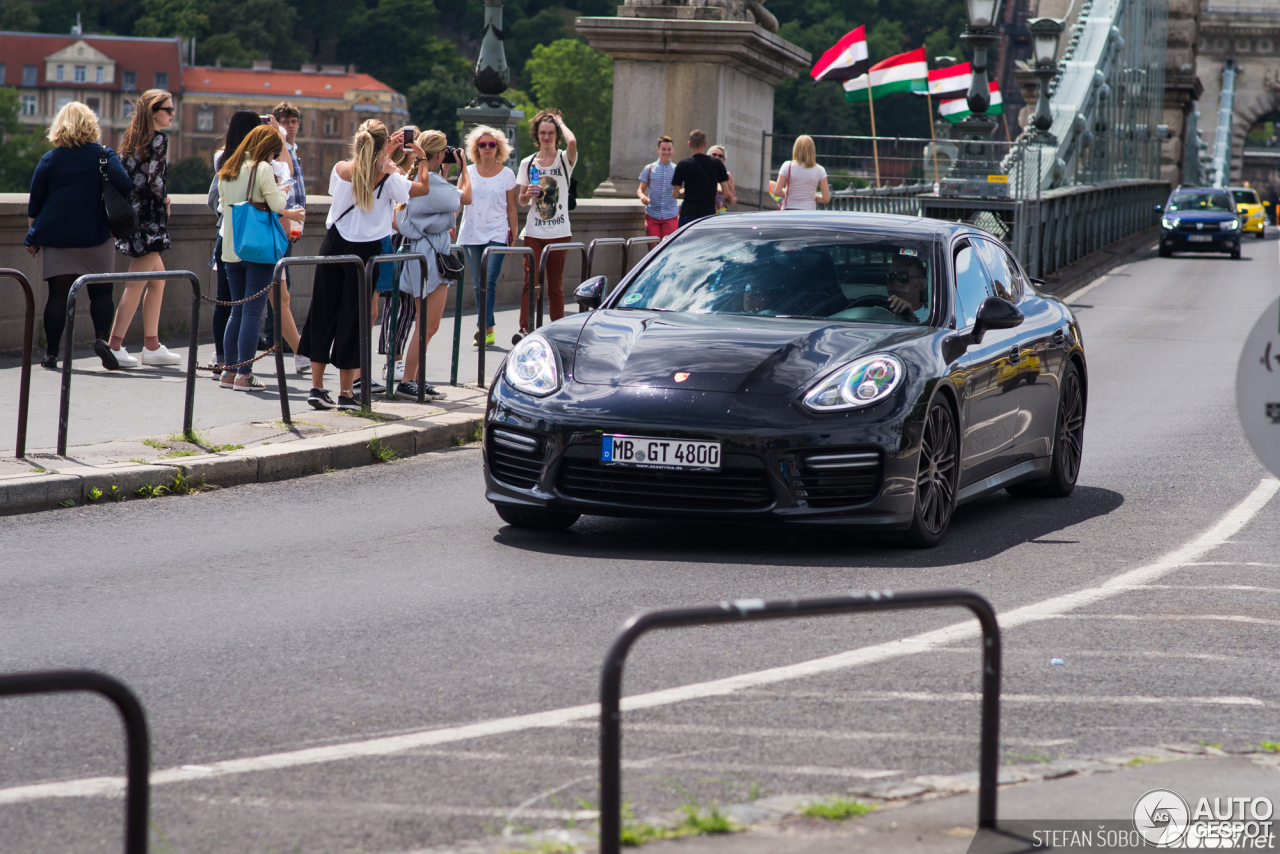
(1033, 756)
(382, 453)
(94, 495)
(156, 443)
(1139, 761)
(67, 502)
(176, 453)
(38, 469)
(547, 847)
(222, 449)
(1273, 746)
(367, 414)
(695, 820)
(178, 486)
(838, 809)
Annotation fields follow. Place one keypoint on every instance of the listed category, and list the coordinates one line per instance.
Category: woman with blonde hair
(490, 218)
(65, 218)
(426, 221)
(363, 188)
(143, 151)
(801, 180)
(248, 175)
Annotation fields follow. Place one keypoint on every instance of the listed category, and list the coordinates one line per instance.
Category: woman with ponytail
(364, 189)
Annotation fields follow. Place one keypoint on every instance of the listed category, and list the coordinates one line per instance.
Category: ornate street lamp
(976, 162)
(492, 77)
(1045, 40)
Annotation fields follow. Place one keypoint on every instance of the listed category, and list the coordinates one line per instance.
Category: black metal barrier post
(366, 337)
(69, 336)
(301, 261)
(28, 337)
(137, 740)
(648, 241)
(756, 609)
(605, 241)
(457, 317)
(482, 291)
(547, 251)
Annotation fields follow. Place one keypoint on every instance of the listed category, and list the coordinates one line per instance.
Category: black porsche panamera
(838, 369)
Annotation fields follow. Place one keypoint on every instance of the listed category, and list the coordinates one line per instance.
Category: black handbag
(122, 219)
(449, 266)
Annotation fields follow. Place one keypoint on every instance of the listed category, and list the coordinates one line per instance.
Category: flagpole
(875, 148)
(1004, 117)
(933, 134)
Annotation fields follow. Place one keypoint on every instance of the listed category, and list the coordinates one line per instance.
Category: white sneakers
(399, 375)
(158, 356)
(123, 357)
(302, 364)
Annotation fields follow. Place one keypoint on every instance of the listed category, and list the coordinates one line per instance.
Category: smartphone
(408, 138)
(266, 120)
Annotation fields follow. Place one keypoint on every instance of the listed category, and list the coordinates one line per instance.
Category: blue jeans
(240, 343)
(474, 253)
(220, 312)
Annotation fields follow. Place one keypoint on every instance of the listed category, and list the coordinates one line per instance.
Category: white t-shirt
(549, 214)
(485, 219)
(802, 185)
(365, 226)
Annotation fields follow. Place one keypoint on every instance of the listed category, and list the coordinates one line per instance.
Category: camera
(408, 138)
(451, 155)
(266, 120)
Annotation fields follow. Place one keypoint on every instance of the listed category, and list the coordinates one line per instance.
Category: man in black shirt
(696, 178)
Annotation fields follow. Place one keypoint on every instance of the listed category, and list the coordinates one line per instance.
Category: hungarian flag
(958, 109)
(906, 72)
(846, 60)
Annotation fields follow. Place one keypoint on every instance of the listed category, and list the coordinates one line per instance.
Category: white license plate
(659, 453)
(1199, 238)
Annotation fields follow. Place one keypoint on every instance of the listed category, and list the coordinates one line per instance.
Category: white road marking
(1056, 699)
(1209, 587)
(1076, 294)
(1220, 533)
(1165, 618)
(819, 734)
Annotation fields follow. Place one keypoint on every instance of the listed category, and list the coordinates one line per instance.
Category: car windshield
(1245, 197)
(1205, 201)
(789, 272)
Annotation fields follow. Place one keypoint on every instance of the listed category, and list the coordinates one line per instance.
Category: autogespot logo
(1161, 817)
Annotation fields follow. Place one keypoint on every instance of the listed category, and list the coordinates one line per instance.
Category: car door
(990, 402)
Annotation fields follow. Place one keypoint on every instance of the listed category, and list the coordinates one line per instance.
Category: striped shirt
(662, 205)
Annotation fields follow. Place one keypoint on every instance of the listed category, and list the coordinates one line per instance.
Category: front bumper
(546, 453)
(1218, 241)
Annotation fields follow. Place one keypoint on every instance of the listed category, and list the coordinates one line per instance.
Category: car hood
(722, 353)
(1201, 216)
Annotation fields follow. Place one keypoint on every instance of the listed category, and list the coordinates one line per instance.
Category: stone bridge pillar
(1182, 88)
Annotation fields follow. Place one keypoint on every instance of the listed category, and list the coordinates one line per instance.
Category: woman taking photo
(548, 191)
(66, 220)
(801, 180)
(490, 218)
(364, 189)
(248, 175)
(241, 123)
(142, 150)
(426, 222)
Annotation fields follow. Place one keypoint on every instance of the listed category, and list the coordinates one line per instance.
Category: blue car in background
(1199, 219)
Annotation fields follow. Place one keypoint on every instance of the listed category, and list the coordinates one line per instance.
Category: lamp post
(1045, 39)
(492, 76)
(975, 162)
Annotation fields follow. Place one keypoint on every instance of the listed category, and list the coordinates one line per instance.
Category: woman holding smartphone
(544, 178)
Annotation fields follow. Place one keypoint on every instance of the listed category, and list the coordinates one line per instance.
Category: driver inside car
(908, 288)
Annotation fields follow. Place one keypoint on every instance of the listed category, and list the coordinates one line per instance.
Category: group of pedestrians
(702, 180)
(69, 229)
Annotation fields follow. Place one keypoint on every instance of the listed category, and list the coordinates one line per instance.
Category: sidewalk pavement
(125, 426)
(938, 815)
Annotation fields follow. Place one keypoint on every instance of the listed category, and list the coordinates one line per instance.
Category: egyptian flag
(906, 72)
(948, 83)
(846, 60)
(957, 110)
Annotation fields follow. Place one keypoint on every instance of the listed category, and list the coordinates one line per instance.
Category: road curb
(76, 485)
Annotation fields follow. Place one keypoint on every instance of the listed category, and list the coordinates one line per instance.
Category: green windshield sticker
(632, 299)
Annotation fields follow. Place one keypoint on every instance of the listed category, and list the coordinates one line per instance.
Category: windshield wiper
(642, 308)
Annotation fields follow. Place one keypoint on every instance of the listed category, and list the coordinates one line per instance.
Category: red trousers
(555, 279)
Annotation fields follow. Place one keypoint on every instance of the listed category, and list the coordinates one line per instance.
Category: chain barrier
(217, 369)
(236, 302)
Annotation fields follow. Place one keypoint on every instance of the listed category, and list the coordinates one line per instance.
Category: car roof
(1247, 189)
(888, 224)
(1201, 190)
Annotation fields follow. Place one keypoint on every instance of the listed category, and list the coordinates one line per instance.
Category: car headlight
(532, 367)
(861, 383)
(1231, 225)
(1169, 221)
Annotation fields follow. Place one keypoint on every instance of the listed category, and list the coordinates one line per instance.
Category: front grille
(1193, 227)
(515, 458)
(836, 478)
(733, 487)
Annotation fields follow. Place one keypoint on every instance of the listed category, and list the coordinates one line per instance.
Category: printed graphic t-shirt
(549, 214)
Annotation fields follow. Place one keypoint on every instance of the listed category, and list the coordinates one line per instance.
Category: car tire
(1262, 234)
(937, 475)
(1235, 253)
(1166, 252)
(1068, 443)
(535, 518)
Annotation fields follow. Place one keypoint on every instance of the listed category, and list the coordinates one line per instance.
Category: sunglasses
(486, 145)
(718, 156)
(899, 276)
(170, 110)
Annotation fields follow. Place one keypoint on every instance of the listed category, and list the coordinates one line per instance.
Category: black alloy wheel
(936, 478)
(535, 518)
(1068, 443)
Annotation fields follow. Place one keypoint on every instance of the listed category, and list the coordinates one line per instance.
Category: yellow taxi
(1253, 216)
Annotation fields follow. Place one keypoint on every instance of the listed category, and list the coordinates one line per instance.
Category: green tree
(18, 16)
(168, 18)
(390, 41)
(191, 175)
(434, 103)
(21, 147)
(578, 80)
(244, 30)
(525, 34)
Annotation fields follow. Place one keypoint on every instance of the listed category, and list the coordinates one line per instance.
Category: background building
(333, 100)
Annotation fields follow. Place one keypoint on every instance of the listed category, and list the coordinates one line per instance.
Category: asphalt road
(331, 611)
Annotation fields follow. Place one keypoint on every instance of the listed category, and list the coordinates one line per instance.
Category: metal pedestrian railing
(457, 317)
(591, 255)
(28, 337)
(547, 252)
(482, 291)
(647, 241)
(69, 337)
(366, 329)
(753, 610)
(137, 739)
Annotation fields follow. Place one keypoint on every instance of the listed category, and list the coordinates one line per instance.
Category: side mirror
(995, 313)
(590, 293)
